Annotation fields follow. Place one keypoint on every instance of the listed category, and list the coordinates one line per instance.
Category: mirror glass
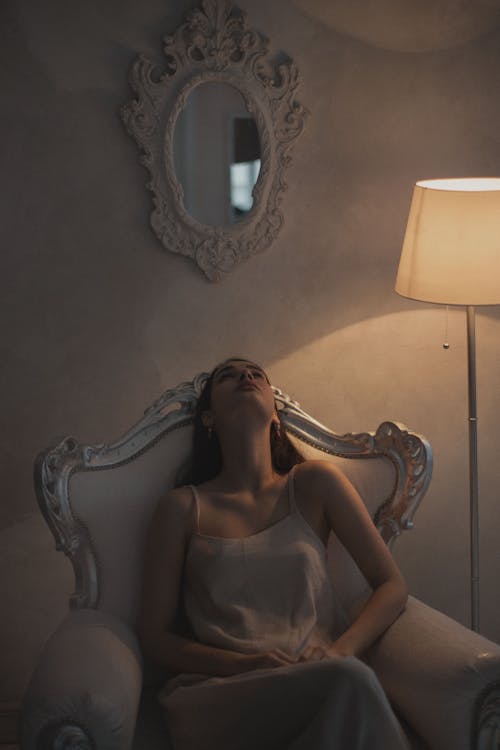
(216, 154)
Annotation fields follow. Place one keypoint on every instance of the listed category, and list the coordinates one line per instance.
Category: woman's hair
(205, 461)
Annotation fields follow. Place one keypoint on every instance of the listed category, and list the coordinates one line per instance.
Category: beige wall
(97, 319)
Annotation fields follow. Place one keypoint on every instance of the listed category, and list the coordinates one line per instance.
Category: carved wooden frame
(215, 45)
(410, 453)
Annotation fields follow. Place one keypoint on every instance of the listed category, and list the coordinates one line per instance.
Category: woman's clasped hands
(279, 658)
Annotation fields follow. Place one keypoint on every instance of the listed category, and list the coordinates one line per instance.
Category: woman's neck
(247, 462)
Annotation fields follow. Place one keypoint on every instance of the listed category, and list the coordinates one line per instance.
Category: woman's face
(240, 386)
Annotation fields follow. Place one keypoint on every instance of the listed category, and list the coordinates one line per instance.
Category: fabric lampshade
(451, 249)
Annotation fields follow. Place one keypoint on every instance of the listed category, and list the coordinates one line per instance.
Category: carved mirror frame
(215, 45)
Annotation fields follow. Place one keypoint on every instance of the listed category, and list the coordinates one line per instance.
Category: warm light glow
(451, 249)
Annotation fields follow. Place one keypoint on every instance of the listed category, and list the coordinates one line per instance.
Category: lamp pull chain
(445, 342)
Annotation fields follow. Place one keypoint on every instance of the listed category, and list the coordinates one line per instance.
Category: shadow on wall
(407, 25)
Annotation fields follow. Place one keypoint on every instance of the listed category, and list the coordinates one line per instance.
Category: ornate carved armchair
(91, 688)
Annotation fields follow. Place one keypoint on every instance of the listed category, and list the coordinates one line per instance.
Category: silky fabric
(266, 591)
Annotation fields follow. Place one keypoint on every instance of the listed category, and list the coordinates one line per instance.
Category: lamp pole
(473, 473)
(451, 256)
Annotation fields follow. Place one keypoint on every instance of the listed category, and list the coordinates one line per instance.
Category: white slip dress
(258, 593)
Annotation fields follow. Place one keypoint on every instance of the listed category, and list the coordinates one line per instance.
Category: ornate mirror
(216, 154)
(215, 129)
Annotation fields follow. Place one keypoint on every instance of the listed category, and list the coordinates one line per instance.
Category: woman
(266, 665)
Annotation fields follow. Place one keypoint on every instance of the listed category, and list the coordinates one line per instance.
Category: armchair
(91, 687)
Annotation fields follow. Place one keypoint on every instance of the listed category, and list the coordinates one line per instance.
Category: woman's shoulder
(177, 501)
(314, 481)
(317, 470)
(318, 480)
(325, 485)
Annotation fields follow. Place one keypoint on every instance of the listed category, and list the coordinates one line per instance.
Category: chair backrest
(98, 500)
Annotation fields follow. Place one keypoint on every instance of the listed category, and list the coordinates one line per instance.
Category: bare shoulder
(320, 474)
(175, 506)
(325, 485)
(319, 486)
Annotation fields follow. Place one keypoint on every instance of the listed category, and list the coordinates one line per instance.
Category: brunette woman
(267, 663)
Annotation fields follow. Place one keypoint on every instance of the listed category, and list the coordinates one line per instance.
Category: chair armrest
(442, 677)
(86, 687)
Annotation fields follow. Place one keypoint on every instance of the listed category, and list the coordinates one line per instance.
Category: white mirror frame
(215, 45)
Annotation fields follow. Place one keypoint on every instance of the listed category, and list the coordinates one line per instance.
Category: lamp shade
(451, 249)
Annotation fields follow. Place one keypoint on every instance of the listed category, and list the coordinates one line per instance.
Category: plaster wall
(97, 319)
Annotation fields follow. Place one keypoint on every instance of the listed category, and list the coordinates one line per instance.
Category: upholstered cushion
(437, 673)
(116, 504)
(89, 676)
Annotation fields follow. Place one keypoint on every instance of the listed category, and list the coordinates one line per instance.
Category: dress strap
(196, 507)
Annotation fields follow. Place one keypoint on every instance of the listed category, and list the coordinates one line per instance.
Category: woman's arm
(345, 513)
(166, 548)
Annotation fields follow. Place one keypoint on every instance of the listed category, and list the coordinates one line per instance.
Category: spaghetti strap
(197, 507)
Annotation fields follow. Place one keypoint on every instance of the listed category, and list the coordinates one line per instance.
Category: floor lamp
(451, 255)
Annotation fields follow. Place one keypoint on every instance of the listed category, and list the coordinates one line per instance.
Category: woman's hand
(266, 660)
(314, 653)
(317, 653)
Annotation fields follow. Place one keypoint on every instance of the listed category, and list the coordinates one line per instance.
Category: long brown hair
(205, 461)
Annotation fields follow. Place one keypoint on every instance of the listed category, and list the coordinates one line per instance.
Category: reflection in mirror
(216, 154)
